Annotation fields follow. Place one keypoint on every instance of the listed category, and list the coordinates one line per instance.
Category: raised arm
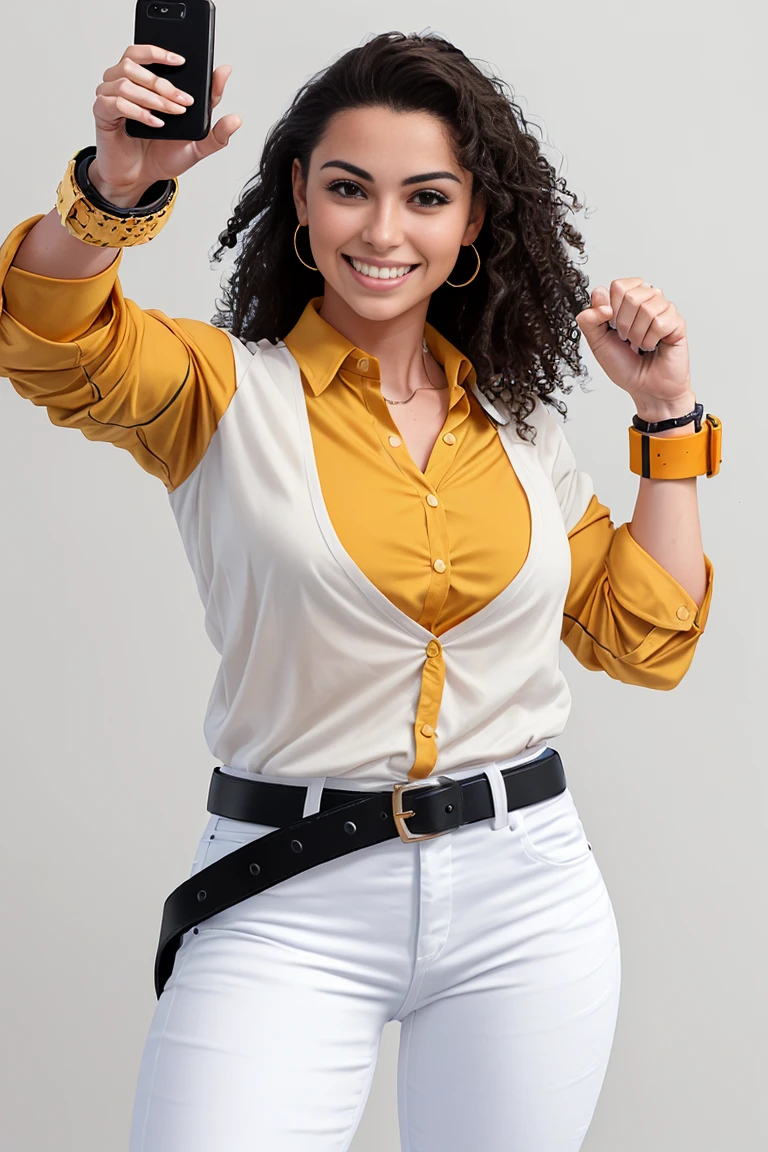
(71, 342)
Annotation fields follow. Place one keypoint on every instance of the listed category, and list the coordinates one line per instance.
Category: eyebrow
(408, 180)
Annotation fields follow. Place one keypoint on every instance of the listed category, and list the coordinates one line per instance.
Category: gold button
(682, 612)
(395, 441)
(449, 438)
(432, 499)
(363, 363)
(433, 648)
(439, 565)
(427, 730)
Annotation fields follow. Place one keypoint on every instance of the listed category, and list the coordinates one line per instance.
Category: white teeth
(377, 273)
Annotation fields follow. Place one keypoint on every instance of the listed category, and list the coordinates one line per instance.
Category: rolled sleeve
(132, 377)
(57, 310)
(645, 589)
(624, 613)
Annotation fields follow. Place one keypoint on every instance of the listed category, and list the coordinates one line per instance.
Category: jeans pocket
(551, 831)
(224, 835)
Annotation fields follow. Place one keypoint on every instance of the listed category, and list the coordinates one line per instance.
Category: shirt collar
(321, 350)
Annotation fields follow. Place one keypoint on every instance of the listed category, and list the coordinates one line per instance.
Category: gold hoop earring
(310, 266)
(473, 274)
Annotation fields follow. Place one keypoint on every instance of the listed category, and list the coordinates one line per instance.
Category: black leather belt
(347, 821)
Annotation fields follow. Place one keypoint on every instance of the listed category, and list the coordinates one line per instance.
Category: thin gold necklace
(424, 351)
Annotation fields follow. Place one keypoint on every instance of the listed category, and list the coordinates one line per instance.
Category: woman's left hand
(645, 319)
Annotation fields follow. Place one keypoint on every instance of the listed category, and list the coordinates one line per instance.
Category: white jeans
(495, 946)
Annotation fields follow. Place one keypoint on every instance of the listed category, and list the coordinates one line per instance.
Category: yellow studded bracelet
(87, 215)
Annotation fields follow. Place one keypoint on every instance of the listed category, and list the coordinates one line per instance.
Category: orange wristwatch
(676, 457)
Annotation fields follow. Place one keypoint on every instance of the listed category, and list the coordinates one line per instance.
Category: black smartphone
(188, 29)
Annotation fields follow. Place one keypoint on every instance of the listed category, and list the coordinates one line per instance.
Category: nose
(383, 226)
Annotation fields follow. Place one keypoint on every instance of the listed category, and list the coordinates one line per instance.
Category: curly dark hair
(516, 321)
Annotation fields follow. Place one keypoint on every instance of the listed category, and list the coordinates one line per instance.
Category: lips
(375, 285)
(410, 266)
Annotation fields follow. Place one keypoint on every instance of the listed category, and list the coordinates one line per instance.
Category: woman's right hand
(125, 166)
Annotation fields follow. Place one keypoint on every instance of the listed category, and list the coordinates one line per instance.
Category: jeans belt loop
(500, 818)
(314, 796)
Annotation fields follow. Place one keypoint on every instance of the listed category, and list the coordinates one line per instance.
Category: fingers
(131, 90)
(131, 96)
(226, 126)
(141, 87)
(220, 135)
(150, 54)
(218, 83)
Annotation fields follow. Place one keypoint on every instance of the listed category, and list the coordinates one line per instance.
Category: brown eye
(337, 185)
(431, 192)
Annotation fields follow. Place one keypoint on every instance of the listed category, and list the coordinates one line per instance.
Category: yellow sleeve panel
(135, 378)
(624, 613)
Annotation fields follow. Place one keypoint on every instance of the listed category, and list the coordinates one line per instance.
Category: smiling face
(385, 190)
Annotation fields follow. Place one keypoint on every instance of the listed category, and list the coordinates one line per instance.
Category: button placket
(428, 707)
(444, 453)
(438, 546)
(389, 433)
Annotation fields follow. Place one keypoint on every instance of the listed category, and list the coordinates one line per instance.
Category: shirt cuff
(55, 309)
(643, 586)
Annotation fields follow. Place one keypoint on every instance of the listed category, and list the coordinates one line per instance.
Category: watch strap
(677, 457)
(674, 422)
(151, 201)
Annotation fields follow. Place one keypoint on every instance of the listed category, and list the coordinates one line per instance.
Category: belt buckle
(401, 816)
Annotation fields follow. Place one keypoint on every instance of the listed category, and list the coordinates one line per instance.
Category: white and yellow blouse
(375, 622)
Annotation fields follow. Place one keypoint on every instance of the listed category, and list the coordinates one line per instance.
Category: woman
(391, 537)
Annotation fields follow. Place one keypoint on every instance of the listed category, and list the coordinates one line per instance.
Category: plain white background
(652, 114)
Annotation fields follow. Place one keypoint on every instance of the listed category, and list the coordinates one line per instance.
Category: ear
(299, 191)
(476, 219)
